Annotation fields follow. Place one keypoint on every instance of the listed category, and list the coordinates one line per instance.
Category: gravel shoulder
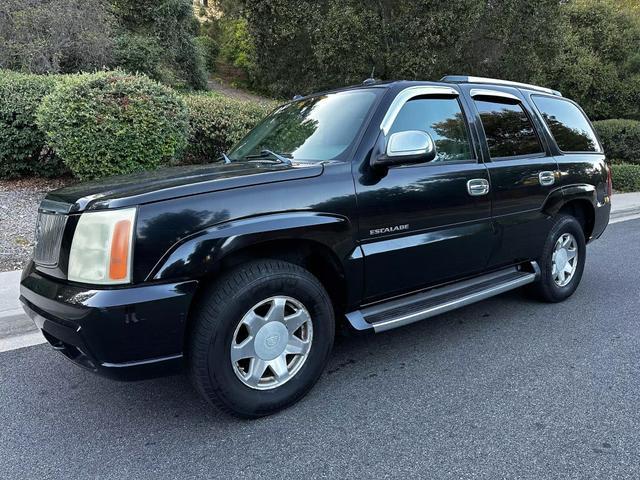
(19, 200)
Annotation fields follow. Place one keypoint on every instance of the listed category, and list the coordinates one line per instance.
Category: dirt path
(217, 85)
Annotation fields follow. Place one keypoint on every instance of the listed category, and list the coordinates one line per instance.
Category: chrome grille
(49, 231)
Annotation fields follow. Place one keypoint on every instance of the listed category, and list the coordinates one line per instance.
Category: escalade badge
(395, 228)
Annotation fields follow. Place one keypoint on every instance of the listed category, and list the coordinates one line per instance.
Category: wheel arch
(321, 243)
(578, 201)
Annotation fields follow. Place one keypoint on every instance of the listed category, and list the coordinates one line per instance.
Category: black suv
(378, 205)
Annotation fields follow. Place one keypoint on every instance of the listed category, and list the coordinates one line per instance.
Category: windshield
(313, 129)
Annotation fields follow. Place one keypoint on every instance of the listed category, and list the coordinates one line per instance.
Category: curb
(21, 341)
(624, 214)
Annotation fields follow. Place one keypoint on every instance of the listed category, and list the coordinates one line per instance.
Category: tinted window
(508, 129)
(568, 125)
(312, 129)
(440, 117)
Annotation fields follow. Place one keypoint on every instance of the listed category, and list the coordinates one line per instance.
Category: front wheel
(562, 260)
(261, 338)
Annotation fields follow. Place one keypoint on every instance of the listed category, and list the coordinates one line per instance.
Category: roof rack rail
(506, 83)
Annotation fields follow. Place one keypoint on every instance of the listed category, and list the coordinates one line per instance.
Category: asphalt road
(508, 388)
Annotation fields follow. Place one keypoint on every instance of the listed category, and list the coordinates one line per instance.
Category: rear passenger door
(522, 172)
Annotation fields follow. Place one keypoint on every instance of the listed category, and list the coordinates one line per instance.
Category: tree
(338, 42)
(52, 36)
(168, 26)
(599, 65)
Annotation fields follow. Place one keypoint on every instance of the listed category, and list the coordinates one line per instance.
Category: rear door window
(508, 129)
(568, 125)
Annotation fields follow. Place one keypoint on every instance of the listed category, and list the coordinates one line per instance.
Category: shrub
(22, 143)
(621, 139)
(137, 53)
(209, 50)
(626, 177)
(216, 123)
(113, 123)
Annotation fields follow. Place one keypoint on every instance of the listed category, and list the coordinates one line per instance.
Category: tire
(226, 312)
(550, 287)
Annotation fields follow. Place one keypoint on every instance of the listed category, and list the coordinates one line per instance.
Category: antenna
(371, 80)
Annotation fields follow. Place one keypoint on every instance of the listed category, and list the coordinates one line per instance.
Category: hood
(168, 183)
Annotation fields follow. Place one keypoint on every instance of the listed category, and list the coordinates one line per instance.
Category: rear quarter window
(568, 125)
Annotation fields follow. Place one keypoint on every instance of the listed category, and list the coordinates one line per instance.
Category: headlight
(101, 247)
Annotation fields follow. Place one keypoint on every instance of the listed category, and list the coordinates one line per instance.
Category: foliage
(209, 50)
(626, 177)
(138, 53)
(621, 139)
(587, 49)
(342, 41)
(599, 65)
(216, 123)
(171, 24)
(236, 45)
(22, 143)
(113, 123)
(44, 36)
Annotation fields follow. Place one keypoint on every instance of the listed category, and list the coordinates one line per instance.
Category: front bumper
(121, 332)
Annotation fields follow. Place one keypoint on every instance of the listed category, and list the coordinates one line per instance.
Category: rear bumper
(124, 333)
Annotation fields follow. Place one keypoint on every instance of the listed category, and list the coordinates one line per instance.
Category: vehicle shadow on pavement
(356, 360)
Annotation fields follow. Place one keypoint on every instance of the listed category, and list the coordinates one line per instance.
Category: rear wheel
(261, 338)
(562, 260)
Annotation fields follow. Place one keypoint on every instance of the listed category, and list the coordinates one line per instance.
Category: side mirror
(408, 147)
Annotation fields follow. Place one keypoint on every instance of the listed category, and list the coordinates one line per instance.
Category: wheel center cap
(271, 340)
(561, 258)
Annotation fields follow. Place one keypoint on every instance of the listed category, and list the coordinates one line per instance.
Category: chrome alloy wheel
(271, 342)
(564, 259)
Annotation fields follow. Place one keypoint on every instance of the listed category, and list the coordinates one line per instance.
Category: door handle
(547, 178)
(477, 187)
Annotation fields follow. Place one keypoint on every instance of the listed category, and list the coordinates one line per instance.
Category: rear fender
(564, 195)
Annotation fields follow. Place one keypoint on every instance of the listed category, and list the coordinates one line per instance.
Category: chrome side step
(412, 308)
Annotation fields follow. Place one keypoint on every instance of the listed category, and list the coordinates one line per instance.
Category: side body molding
(196, 254)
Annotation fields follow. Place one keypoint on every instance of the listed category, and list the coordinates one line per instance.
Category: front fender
(197, 254)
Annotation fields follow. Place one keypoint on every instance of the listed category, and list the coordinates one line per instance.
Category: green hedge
(22, 143)
(626, 177)
(112, 123)
(621, 139)
(216, 123)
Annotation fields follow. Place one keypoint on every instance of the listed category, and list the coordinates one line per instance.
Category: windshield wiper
(268, 153)
(225, 158)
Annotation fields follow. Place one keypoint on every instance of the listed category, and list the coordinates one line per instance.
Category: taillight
(609, 181)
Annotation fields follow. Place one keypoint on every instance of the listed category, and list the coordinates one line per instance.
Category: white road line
(626, 218)
(21, 341)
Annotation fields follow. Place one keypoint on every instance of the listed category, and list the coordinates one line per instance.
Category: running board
(409, 309)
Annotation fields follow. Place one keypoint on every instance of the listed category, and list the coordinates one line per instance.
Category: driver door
(426, 224)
